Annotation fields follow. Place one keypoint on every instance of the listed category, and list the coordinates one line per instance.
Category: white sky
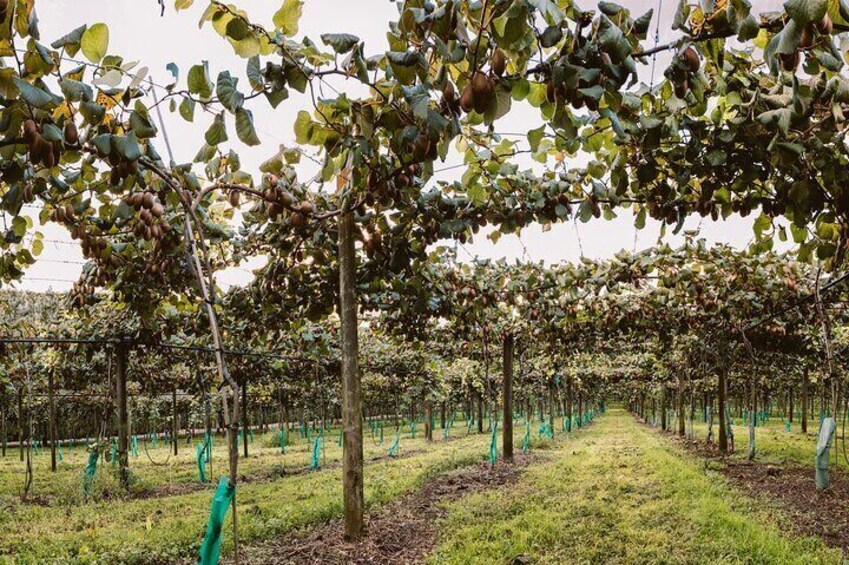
(138, 33)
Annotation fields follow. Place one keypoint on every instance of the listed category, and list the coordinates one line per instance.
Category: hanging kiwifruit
(148, 200)
(806, 39)
(498, 62)
(484, 89)
(296, 219)
(30, 132)
(682, 88)
(421, 147)
(114, 177)
(233, 197)
(691, 59)
(72, 135)
(467, 99)
(789, 61)
(4, 9)
(38, 149)
(449, 98)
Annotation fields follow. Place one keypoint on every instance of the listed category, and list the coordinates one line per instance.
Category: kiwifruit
(49, 158)
(30, 132)
(233, 197)
(114, 159)
(592, 103)
(421, 148)
(826, 26)
(72, 135)
(498, 62)
(467, 99)
(148, 200)
(296, 219)
(306, 207)
(38, 148)
(682, 88)
(136, 200)
(4, 9)
(132, 167)
(691, 58)
(448, 91)
(789, 61)
(285, 198)
(158, 210)
(806, 39)
(402, 181)
(480, 83)
(550, 92)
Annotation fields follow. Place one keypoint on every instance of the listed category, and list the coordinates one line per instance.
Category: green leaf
(217, 132)
(549, 10)
(535, 137)
(287, 17)
(805, 12)
(34, 96)
(245, 127)
(227, 93)
(187, 109)
(76, 91)
(127, 146)
(95, 42)
(71, 41)
(199, 81)
(341, 42)
(303, 127)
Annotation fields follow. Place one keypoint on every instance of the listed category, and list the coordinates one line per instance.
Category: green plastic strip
(89, 471)
(201, 448)
(393, 449)
(526, 441)
(493, 445)
(210, 549)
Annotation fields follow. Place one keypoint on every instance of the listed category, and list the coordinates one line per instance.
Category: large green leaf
(217, 132)
(341, 42)
(199, 81)
(95, 42)
(245, 127)
(804, 12)
(228, 93)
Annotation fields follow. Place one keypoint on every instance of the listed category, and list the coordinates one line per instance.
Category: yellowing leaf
(95, 42)
(287, 17)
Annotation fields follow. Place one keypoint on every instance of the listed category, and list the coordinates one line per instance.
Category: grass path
(622, 494)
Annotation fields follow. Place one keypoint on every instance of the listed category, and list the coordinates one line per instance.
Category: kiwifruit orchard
(386, 381)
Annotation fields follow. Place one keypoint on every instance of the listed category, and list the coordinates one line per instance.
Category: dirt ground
(400, 532)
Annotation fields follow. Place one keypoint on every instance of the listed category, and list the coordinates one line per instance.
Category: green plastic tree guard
(210, 549)
(823, 447)
(201, 448)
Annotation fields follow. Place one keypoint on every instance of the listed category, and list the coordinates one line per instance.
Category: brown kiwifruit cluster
(121, 169)
(385, 189)
(64, 214)
(480, 90)
(688, 64)
(152, 224)
(279, 202)
(810, 37)
(40, 150)
(4, 9)
(372, 241)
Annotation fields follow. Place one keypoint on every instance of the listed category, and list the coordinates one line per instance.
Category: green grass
(619, 493)
(155, 530)
(773, 444)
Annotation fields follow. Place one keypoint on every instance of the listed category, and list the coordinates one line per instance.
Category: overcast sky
(138, 33)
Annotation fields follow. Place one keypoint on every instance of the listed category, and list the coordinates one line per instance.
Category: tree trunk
(21, 422)
(790, 404)
(663, 409)
(723, 434)
(479, 397)
(123, 424)
(507, 424)
(175, 423)
(428, 408)
(682, 427)
(805, 401)
(569, 404)
(3, 432)
(442, 415)
(52, 402)
(352, 475)
(245, 422)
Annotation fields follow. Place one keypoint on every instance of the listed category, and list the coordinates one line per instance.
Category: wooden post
(723, 434)
(175, 423)
(790, 404)
(805, 401)
(123, 421)
(507, 424)
(3, 432)
(682, 427)
(442, 415)
(428, 407)
(479, 397)
(569, 403)
(246, 425)
(21, 422)
(663, 409)
(52, 407)
(352, 425)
